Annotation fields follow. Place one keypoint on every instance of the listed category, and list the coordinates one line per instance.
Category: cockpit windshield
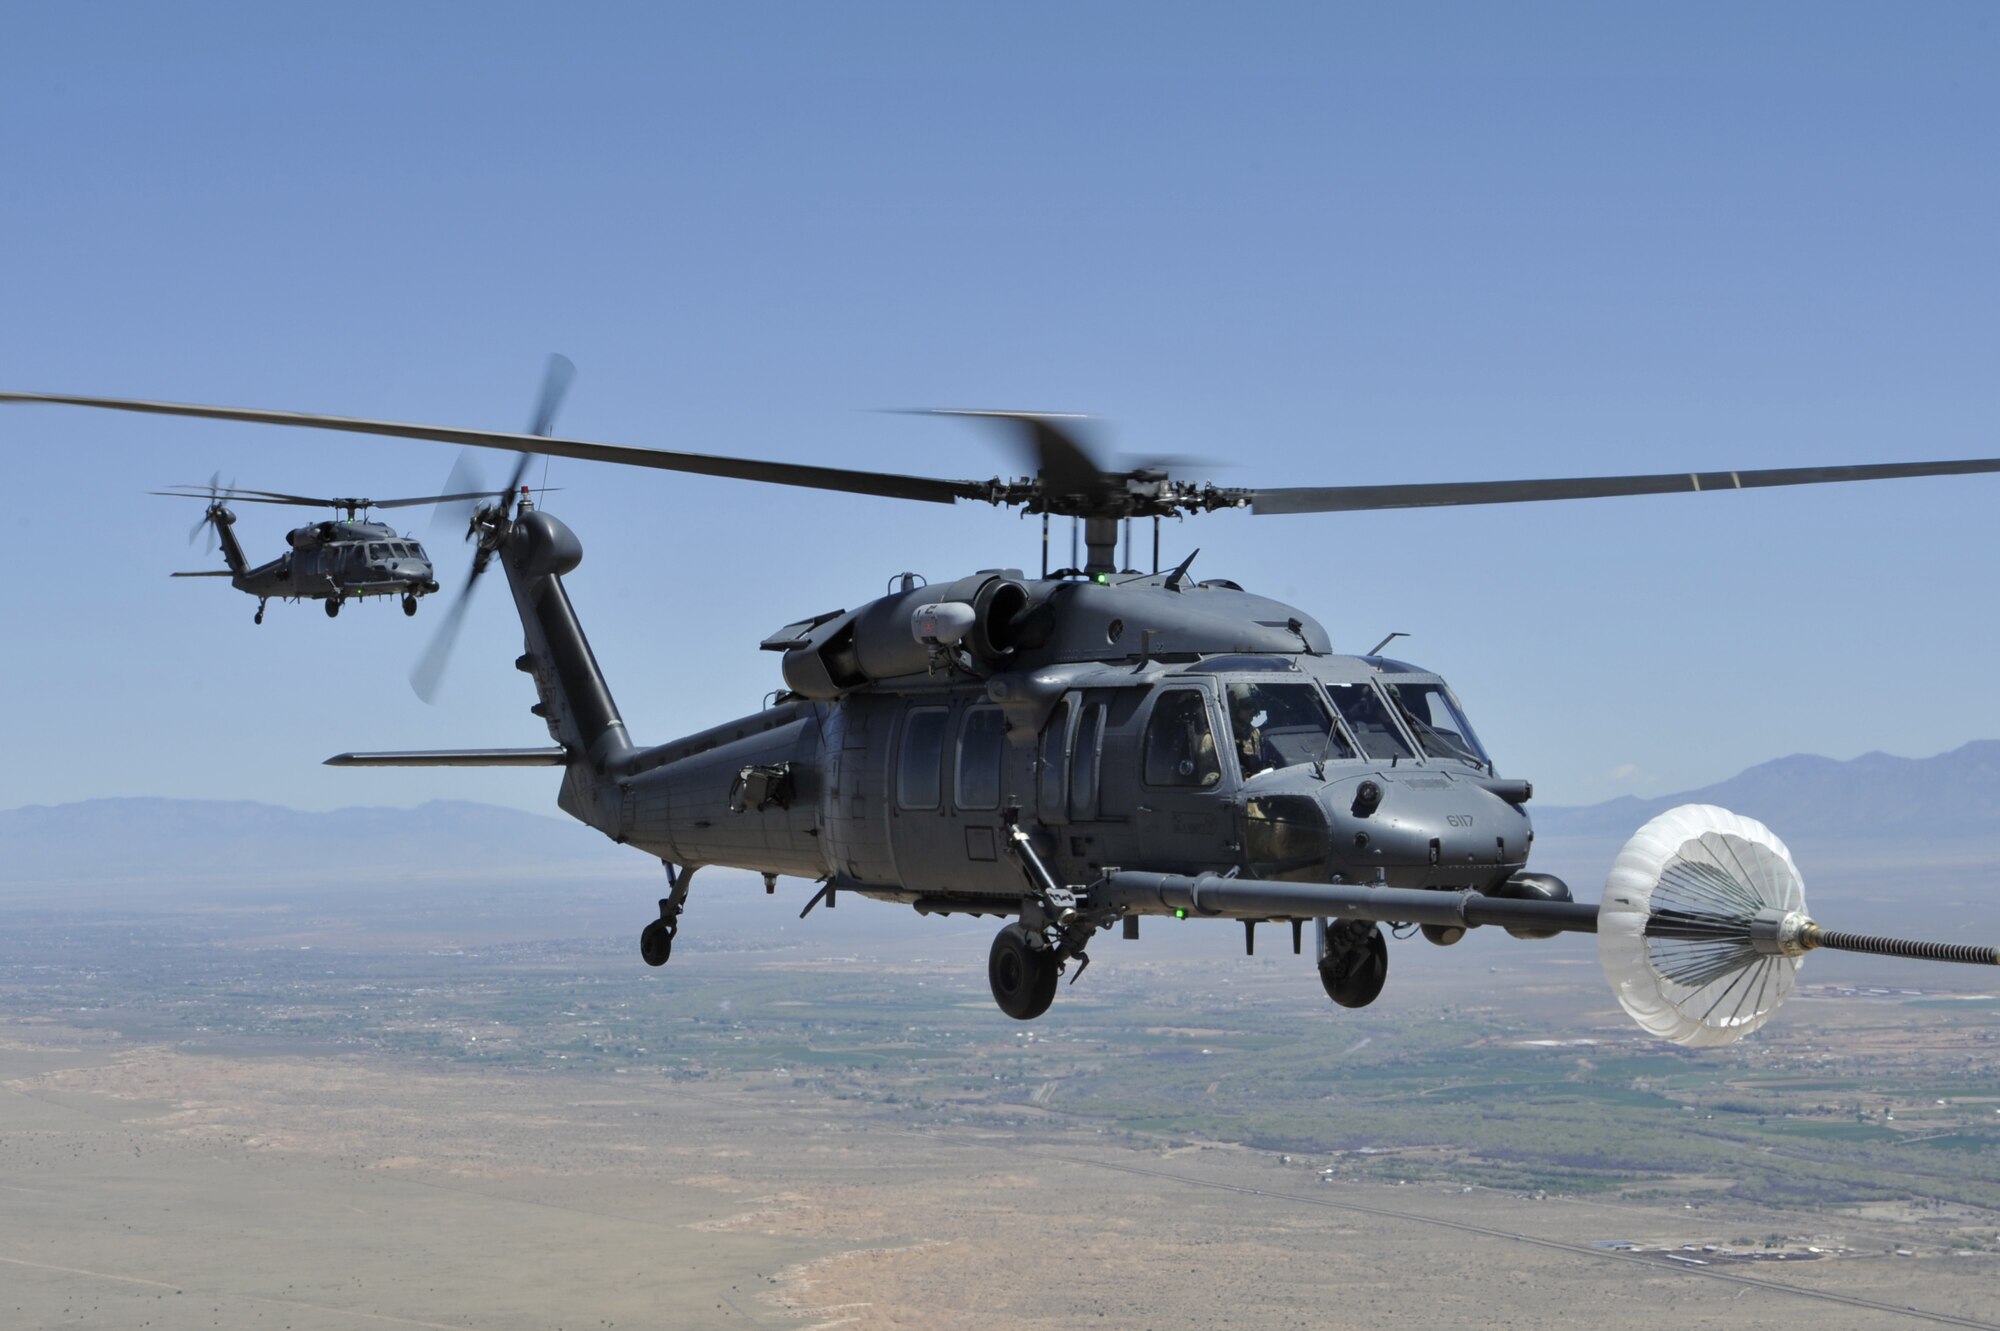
(1280, 725)
(1368, 717)
(1437, 721)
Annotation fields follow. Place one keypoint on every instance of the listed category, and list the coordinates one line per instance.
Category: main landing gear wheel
(332, 607)
(1356, 965)
(656, 943)
(259, 618)
(409, 604)
(1023, 976)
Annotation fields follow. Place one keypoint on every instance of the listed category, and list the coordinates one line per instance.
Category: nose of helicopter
(1427, 827)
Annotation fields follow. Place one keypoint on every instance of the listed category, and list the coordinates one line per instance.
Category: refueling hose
(1969, 953)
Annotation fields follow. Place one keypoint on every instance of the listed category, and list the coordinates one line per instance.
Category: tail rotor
(215, 514)
(487, 521)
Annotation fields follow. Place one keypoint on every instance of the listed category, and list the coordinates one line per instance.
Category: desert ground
(551, 1136)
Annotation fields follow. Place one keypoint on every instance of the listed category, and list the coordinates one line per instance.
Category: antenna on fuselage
(1376, 650)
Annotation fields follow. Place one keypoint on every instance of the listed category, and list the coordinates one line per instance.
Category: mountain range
(149, 839)
(1953, 796)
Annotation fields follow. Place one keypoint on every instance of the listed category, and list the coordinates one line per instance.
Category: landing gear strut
(409, 604)
(260, 610)
(656, 940)
(1030, 955)
(1353, 961)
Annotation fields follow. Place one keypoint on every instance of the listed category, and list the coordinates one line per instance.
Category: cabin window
(1281, 725)
(919, 771)
(1055, 749)
(1436, 720)
(1180, 743)
(1368, 717)
(1083, 761)
(982, 743)
(377, 553)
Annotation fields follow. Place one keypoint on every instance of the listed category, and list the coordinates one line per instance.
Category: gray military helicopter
(1082, 749)
(333, 561)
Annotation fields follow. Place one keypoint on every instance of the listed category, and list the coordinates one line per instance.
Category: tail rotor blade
(207, 519)
(555, 385)
(428, 673)
(466, 475)
(465, 478)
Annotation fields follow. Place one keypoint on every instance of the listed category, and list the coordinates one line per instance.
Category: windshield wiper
(1453, 748)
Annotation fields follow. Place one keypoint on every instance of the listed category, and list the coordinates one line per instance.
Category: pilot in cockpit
(1247, 715)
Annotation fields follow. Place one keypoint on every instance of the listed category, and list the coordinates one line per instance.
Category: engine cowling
(989, 614)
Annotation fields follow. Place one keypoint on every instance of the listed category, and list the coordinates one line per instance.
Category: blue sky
(1313, 244)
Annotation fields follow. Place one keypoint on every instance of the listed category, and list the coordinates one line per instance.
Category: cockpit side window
(1369, 718)
(1280, 725)
(1180, 743)
(1436, 720)
(376, 554)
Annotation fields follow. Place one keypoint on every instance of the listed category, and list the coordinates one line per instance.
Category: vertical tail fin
(225, 532)
(574, 699)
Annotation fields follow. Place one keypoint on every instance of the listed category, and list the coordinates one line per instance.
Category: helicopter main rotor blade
(214, 492)
(1353, 498)
(885, 484)
(242, 497)
(1065, 464)
(304, 501)
(429, 499)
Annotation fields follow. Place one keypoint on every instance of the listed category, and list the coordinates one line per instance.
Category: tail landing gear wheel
(409, 605)
(656, 943)
(1354, 975)
(1023, 976)
(332, 606)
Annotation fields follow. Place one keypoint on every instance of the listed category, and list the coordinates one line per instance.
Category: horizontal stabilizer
(549, 757)
(205, 573)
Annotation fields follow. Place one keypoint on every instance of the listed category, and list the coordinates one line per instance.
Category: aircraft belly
(685, 812)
